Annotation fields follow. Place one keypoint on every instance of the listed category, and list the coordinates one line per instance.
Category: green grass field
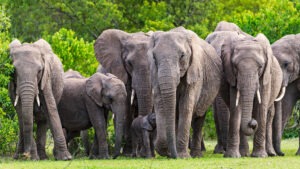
(209, 160)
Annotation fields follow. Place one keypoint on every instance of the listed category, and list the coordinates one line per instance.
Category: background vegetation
(71, 26)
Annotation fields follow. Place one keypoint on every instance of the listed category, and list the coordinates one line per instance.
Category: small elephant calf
(143, 130)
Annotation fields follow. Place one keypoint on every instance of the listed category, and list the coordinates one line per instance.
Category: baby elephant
(143, 130)
(85, 103)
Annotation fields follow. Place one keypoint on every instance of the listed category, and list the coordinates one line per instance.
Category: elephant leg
(41, 136)
(277, 128)
(84, 134)
(259, 141)
(233, 140)
(60, 147)
(135, 142)
(218, 148)
(269, 132)
(197, 139)
(33, 152)
(94, 149)
(221, 116)
(152, 146)
(146, 144)
(244, 146)
(98, 121)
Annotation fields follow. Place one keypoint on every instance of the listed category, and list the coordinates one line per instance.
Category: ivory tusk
(258, 96)
(16, 100)
(281, 95)
(237, 98)
(38, 100)
(132, 97)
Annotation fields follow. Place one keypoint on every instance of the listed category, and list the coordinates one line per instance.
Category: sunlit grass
(209, 160)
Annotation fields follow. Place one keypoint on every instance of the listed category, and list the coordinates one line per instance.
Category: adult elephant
(85, 102)
(287, 52)
(186, 75)
(250, 69)
(220, 109)
(125, 55)
(38, 74)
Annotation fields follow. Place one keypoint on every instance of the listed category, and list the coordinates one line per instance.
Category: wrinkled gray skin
(37, 78)
(84, 133)
(186, 75)
(125, 55)
(249, 66)
(220, 109)
(229, 26)
(287, 52)
(86, 102)
(143, 130)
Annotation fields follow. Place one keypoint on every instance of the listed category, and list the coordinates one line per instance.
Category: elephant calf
(85, 102)
(143, 129)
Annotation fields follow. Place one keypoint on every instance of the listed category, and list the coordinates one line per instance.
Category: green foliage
(8, 121)
(74, 53)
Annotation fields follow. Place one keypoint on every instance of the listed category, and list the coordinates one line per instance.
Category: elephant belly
(75, 119)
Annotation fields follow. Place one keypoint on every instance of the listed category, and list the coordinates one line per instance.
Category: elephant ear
(108, 51)
(47, 56)
(94, 88)
(146, 125)
(194, 70)
(269, 57)
(226, 53)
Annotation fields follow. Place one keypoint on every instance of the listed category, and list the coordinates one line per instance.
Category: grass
(209, 160)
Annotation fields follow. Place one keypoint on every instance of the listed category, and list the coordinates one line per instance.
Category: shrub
(74, 53)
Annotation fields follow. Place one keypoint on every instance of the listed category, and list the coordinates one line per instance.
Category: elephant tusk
(132, 97)
(258, 96)
(16, 100)
(38, 100)
(281, 95)
(237, 98)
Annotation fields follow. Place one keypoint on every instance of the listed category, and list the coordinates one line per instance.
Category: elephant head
(32, 64)
(109, 91)
(125, 55)
(287, 52)
(72, 74)
(228, 26)
(247, 63)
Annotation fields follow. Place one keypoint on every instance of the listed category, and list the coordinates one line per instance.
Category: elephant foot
(62, 155)
(219, 149)
(271, 152)
(162, 151)
(43, 155)
(105, 156)
(196, 153)
(28, 156)
(259, 153)
(279, 152)
(232, 154)
(183, 155)
(244, 152)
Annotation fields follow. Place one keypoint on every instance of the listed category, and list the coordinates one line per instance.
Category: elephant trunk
(142, 87)
(27, 94)
(248, 89)
(119, 111)
(167, 88)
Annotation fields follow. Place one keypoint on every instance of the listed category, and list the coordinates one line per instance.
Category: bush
(74, 53)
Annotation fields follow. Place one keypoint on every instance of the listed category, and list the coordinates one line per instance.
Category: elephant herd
(159, 85)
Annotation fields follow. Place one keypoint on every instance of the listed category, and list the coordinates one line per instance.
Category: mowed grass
(209, 160)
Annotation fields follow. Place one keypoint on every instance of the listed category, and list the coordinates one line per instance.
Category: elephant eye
(285, 64)
(182, 55)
